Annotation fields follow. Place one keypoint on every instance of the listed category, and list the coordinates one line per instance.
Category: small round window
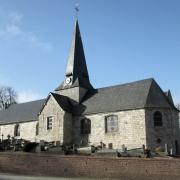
(158, 140)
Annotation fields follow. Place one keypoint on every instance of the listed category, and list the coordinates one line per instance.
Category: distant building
(132, 114)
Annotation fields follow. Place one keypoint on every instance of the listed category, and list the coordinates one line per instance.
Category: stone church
(132, 114)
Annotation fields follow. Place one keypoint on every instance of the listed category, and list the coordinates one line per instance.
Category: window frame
(17, 130)
(111, 125)
(85, 127)
(49, 122)
(158, 119)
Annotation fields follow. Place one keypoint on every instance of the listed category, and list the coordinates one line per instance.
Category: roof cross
(77, 9)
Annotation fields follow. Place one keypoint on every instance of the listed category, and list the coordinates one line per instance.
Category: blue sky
(124, 41)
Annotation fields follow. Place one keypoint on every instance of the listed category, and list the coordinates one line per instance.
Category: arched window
(37, 129)
(111, 123)
(158, 119)
(85, 126)
(17, 130)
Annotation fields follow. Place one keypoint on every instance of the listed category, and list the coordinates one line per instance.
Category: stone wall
(131, 129)
(74, 166)
(67, 129)
(57, 133)
(27, 130)
(169, 131)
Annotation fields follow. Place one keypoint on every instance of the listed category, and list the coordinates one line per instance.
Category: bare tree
(8, 96)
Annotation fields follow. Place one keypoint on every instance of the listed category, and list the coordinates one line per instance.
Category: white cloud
(11, 26)
(25, 96)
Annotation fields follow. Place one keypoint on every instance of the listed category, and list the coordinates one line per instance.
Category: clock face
(68, 80)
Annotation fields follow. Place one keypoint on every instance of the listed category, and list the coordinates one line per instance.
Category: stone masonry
(60, 120)
(131, 129)
(27, 130)
(167, 134)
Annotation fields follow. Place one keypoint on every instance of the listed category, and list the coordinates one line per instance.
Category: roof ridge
(21, 112)
(125, 84)
(30, 101)
(148, 93)
(155, 84)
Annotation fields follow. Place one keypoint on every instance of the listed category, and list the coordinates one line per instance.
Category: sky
(124, 41)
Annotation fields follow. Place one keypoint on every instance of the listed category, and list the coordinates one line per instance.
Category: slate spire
(76, 71)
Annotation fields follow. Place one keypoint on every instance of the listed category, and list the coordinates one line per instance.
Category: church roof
(76, 65)
(22, 112)
(136, 95)
(131, 96)
(63, 102)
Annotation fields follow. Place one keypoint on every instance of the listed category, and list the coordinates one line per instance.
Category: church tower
(76, 81)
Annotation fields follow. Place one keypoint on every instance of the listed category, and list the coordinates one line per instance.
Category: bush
(30, 147)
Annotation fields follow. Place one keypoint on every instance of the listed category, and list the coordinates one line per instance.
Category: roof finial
(77, 9)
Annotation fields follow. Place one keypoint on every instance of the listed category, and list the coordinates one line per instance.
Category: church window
(158, 119)
(111, 123)
(85, 126)
(37, 129)
(17, 130)
(49, 122)
(158, 140)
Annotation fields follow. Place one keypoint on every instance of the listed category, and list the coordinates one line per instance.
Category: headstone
(58, 143)
(124, 149)
(171, 151)
(110, 146)
(42, 145)
(166, 149)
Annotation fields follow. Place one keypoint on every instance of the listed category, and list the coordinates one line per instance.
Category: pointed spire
(76, 60)
(76, 70)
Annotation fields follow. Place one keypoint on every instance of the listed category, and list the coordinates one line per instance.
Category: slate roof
(63, 102)
(136, 95)
(76, 64)
(22, 112)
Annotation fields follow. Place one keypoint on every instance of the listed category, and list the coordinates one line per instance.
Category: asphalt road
(20, 177)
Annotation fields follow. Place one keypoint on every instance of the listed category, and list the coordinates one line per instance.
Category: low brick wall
(75, 166)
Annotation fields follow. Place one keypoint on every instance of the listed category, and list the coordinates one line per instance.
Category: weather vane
(77, 9)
